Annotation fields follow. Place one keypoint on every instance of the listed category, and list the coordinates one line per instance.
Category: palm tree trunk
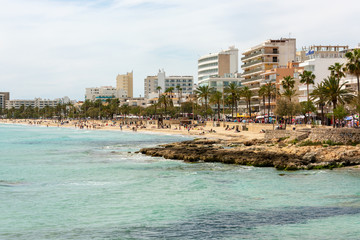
(236, 109)
(218, 111)
(205, 107)
(250, 108)
(358, 84)
(334, 106)
(307, 86)
(269, 97)
(322, 114)
(232, 108)
(264, 106)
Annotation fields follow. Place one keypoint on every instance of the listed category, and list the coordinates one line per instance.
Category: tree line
(329, 92)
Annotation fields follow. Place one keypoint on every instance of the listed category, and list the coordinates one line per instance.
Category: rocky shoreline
(260, 153)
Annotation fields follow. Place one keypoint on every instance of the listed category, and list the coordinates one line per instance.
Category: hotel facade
(151, 83)
(103, 93)
(215, 65)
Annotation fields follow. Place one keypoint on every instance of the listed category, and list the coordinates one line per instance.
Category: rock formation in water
(261, 153)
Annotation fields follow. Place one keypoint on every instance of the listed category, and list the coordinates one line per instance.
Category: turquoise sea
(58, 183)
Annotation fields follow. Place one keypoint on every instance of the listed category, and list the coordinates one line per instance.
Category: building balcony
(253, 63)
(258, 53)
(257, 78)
(247, 64)
(260, 69)
(304, 87)
(261, 52)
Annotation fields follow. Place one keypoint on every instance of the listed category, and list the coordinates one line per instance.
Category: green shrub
(331, 143)
(309, 143)
(283, 138)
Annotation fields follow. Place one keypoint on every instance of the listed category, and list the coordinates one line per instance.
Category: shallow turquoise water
(58, 183)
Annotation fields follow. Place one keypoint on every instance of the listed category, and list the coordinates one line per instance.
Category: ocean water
(58, 183)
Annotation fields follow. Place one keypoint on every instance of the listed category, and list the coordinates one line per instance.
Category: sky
(56, 48)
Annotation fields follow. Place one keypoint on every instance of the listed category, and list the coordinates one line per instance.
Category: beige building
(265, 56)
(150, 85)
(4, 96)
(125, 82)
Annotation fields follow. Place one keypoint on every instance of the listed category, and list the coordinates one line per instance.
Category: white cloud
(56, 48)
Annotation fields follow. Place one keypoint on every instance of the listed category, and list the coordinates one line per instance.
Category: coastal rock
(258, 153)
(310, 156)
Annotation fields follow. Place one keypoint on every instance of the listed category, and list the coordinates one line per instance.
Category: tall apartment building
(265, 56)
(161, 80)
(103, 93)
(125, 82)
(218, 65)
(4, 96)
(318, 60)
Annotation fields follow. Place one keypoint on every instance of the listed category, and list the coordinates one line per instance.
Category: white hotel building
(151, 83)
(37, 102)
(319, 59)
(103, 93)
(217, 65)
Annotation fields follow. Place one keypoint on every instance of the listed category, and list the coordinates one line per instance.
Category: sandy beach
(209, 131)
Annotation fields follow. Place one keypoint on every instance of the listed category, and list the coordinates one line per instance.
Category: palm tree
(271, 92)
(164, 100)
(288, 83)
(336, 92)
(319, 96)
(169, 92)
(215, 98)
(337, 70)
(308, 78)
(353, 65)
(246, 93)
(233, 90)
(125, 109)
(262, 93)
(203, 92)
(179, 89)
(159, 90)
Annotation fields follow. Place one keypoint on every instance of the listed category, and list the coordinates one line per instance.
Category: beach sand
(150, 126)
